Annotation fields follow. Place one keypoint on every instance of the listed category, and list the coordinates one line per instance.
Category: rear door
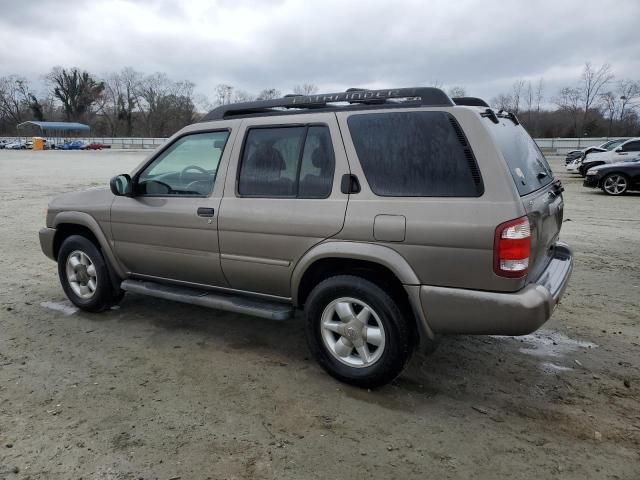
(536, 185)
(282, 196)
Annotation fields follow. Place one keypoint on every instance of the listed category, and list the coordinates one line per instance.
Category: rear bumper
(458, 311)
(46, 241)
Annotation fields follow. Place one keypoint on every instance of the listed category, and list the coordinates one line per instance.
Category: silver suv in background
(388, 216)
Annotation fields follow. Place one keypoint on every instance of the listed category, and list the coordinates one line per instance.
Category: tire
(615, 184)
(84, 275)
(388, 342)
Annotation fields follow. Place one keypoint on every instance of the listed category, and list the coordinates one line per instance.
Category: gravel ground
(155, 389)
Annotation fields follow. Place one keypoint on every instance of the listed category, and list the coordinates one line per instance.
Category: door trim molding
(246, 258)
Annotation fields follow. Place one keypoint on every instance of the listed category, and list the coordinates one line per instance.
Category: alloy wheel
(81, 274)
(352, 332)
(615, 184)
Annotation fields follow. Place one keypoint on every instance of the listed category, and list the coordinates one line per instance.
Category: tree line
(596, 105)
(131, 103)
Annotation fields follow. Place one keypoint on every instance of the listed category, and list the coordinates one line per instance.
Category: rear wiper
(511, 116)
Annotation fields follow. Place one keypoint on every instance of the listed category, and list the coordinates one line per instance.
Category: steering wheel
(192, 167)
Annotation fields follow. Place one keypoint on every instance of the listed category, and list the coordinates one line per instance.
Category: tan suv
(389, 216)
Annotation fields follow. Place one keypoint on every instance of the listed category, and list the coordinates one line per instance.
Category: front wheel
(357, 332)
(84, 276)
(615, 184)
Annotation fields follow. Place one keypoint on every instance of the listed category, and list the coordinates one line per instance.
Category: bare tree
(503, 101)
(610, 106)
(15, 96)
(592, 82)
(629, 92)
(77, 90)
(516, 95)
(457, 91)
(240, 96)
(153, 90)
(269, 94)
(569, 101)
(224, 94)
(529, 99)
(305, 89)
(539, 93)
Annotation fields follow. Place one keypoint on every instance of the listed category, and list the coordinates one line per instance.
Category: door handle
(206, 212)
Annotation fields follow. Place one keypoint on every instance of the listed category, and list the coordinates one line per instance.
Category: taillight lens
(512, 248)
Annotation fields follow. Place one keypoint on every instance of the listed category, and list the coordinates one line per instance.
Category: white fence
(563, 145)
(117, 142)
(550, 145)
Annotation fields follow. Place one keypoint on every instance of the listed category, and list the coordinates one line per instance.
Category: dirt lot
(161, 390)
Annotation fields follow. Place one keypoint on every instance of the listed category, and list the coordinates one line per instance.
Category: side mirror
(121, 185)
(619, 149)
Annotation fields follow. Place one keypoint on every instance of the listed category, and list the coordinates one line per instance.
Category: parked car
(616, 178)
(390, 220)
(627, 148)
(604, 147)
(3, 144)
(17, 145)
(75, 145)
(94, 146)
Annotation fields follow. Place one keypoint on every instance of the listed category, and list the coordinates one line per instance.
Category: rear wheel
(84, 275)
(357, 332)
(615, 184)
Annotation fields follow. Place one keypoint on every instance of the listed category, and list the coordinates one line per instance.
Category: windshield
(528, 167)
(611, 145)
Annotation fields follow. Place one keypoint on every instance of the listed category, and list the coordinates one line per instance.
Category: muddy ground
(163, 390)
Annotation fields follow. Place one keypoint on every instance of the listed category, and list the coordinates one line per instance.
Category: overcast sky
(482, 45)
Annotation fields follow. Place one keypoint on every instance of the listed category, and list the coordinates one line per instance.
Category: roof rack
(470, 101)
(425, 96)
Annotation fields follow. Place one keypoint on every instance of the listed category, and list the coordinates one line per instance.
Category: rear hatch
(540, 193)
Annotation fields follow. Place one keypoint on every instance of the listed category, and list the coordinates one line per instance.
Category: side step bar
(205, 298)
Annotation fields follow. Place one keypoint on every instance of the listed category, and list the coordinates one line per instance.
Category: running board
(205, 298)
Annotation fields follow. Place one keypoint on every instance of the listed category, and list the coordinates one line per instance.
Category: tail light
(512, 248)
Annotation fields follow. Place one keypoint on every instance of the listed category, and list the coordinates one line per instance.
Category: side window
(318, 164)
(295, 162)
(415, 154)
(631, 147)
(187, 167)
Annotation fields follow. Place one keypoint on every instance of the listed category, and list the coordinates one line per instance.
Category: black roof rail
(424, 96)
(470, 101)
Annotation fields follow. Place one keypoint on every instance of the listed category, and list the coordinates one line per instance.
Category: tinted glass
(528, 167)
(187, 167)
(415, 154)
(631, 147)
(287, 162)
(318, 164)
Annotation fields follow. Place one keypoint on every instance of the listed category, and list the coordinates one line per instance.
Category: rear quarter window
(527, 165)
(415, 154)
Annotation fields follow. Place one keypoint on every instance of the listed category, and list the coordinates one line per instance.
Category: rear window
(415, 154)
(528, 167)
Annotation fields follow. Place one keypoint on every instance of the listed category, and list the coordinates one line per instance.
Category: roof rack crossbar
(426, 96)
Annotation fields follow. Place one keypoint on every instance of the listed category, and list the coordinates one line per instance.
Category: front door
(282, 197)
(168, 228)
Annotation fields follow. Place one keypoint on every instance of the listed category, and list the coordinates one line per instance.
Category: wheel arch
(379, 264)
(80, 223)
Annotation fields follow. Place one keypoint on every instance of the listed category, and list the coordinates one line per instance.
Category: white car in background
(19, 145)
(629, 148)
(604, 147)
